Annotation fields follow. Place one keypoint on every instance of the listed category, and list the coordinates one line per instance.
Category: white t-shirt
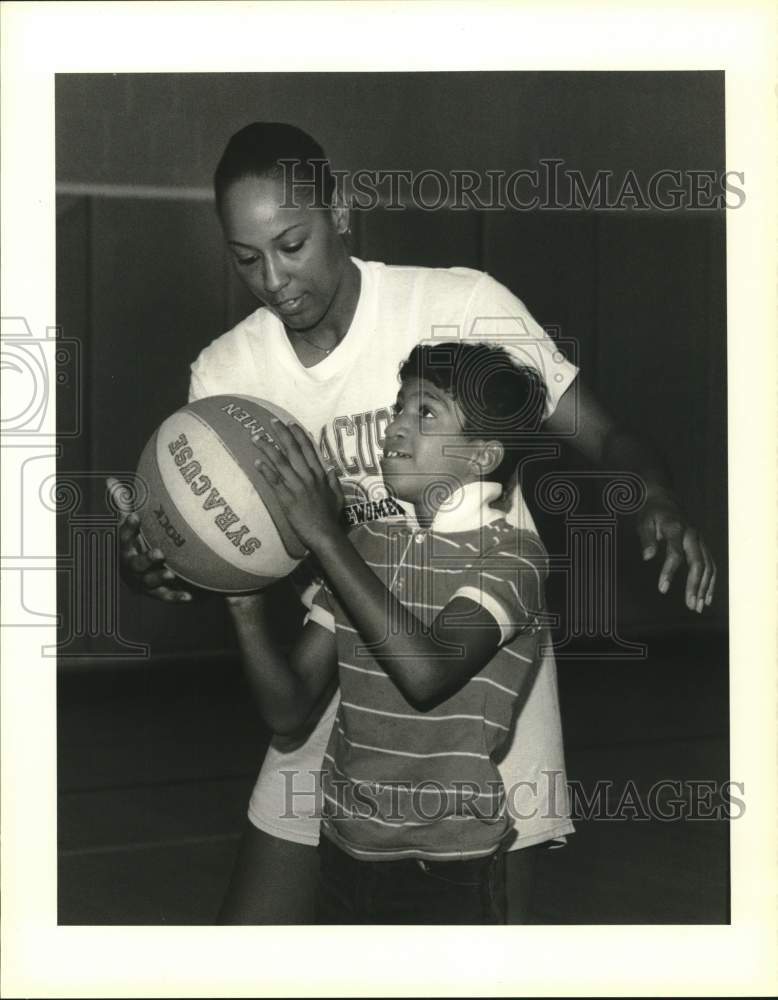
(345, 403)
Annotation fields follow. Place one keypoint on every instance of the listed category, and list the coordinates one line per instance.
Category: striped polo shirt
(401, 783)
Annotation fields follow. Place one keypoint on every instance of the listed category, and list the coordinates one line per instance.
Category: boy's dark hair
(257, 151)
(500, 399)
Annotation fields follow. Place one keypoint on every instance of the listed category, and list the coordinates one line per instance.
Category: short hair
(501, 400)
(258, 150)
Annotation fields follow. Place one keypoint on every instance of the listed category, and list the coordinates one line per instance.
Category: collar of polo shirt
(467, 509)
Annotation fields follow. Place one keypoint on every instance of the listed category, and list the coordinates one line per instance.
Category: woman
(326, 345)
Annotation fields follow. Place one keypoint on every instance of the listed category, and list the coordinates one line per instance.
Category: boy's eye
(425, 411)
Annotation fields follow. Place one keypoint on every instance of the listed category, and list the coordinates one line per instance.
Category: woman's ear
(341, 214)
(487, 458)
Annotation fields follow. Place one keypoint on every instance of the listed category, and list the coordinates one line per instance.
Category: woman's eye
(246, 261)
(294, 248)
(426, 411)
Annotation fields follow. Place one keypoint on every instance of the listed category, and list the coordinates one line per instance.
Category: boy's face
(426, 454)
(291, 258)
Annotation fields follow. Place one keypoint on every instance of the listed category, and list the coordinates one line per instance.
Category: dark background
(157, 752)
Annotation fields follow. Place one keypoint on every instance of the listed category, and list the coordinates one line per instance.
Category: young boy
(431, 622)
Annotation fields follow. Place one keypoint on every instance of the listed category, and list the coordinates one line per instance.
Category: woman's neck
(325, 335)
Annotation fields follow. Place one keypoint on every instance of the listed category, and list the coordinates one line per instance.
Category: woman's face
(292, 259)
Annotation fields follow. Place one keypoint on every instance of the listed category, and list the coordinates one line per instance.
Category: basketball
(206, 506)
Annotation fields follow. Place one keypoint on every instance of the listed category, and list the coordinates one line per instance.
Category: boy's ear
(487, 457)
(340, 213)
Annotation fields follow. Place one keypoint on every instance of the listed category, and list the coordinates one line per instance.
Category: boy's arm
(426, 664)
(287, 690)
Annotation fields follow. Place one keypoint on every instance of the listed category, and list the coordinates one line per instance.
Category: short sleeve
(226, 364)
(208, 370)
(198, 375)
(321, 609)
(496, 316)
(196, 388)
(508, 581)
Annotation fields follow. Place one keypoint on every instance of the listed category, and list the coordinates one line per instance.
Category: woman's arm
(661, 519)
(286, 689)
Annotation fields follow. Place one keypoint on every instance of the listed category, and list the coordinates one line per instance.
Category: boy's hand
(660, 519)
(309, 494)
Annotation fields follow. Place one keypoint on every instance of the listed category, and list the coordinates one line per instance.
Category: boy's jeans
(409, 891)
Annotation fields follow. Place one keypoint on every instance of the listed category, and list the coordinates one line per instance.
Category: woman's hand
(309, 494)
(144, 572)
(661, 520)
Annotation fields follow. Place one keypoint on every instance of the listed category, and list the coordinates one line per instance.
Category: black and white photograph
(392, 424)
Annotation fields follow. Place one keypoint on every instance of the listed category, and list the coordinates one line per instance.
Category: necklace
(325, 350)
